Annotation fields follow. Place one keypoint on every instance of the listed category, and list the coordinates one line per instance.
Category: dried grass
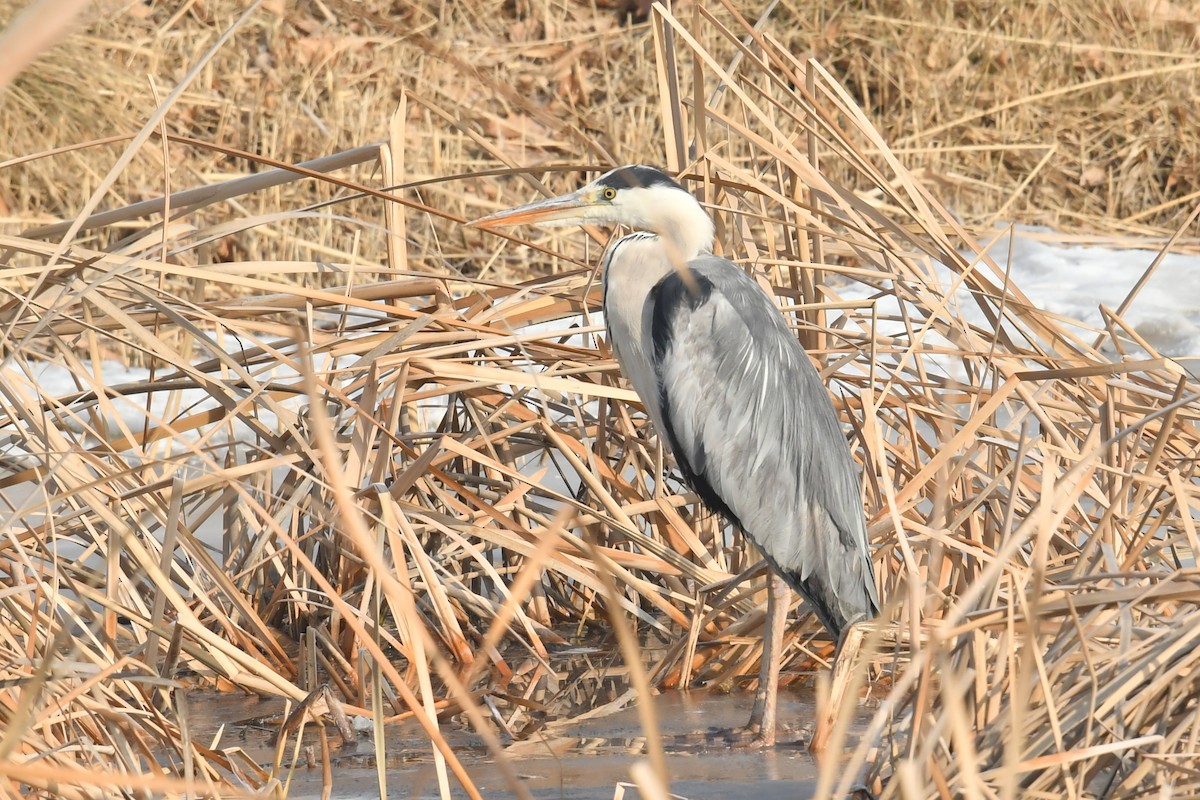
(1074, 114)
(371, 474)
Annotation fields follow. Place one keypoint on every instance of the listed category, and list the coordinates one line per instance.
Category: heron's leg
(762, 717)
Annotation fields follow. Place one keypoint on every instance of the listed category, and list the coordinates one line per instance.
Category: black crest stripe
(638, 176)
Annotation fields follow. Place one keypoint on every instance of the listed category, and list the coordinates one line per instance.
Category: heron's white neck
(684, 226)
(670, 213)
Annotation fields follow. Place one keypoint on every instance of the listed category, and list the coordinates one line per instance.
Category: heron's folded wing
(754, 431)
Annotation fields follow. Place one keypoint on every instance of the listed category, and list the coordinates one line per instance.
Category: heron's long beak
(562, 210)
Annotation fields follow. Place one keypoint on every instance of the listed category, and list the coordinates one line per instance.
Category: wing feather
(755, 434)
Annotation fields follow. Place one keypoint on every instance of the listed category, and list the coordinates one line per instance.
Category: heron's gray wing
(754, 432)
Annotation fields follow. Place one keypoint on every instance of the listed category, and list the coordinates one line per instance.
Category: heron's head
(641, 197)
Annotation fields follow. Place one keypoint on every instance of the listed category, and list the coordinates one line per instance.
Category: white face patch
(669, 212)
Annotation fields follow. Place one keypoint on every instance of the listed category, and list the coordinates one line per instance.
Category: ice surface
(1075, 281)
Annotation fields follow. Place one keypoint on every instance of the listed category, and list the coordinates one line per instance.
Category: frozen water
(1075, 281)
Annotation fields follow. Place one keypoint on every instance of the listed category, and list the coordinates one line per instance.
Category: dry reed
(374, 486)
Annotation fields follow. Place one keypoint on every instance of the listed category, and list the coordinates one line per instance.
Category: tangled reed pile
(388, 490)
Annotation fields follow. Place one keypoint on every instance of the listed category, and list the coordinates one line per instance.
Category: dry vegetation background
(381, 463)
(1080, 116)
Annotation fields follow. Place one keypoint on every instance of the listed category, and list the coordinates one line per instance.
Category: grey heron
(734, 395)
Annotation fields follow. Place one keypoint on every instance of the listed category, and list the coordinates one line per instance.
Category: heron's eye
(609, 193)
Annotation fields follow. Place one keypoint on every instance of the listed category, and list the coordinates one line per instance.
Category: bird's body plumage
(747, 418)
